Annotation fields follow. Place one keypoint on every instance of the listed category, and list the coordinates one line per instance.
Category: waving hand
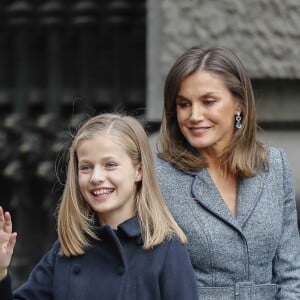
(7, 241)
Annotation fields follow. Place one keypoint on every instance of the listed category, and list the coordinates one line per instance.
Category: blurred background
(63, 61)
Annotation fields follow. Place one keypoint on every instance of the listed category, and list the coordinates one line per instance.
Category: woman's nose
(196, 113)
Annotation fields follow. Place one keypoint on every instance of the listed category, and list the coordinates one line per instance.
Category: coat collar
(128, 229)
(131, 228)
(249, 190)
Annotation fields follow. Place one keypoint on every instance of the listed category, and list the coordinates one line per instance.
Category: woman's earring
(238, 119)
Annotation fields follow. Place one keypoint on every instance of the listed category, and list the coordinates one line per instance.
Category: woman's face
(206, 111)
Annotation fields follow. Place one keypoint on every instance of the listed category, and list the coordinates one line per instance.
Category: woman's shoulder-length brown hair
(245, 154)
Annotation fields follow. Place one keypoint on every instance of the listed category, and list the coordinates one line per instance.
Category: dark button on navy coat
(114, 268)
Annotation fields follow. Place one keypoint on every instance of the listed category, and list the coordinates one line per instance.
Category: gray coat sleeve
(286, 264)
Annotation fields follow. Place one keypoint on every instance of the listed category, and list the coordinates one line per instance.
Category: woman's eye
(209, 101)
(183, 104)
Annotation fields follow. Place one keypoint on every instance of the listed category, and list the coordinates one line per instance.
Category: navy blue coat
(114, 268)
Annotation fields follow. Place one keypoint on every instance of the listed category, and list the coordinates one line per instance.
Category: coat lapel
(205, 192)
(249, 193)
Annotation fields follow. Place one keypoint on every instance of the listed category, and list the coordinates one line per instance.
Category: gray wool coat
(255, 255)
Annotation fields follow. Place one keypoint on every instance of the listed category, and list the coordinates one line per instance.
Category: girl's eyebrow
(108, 157)
(83, 161)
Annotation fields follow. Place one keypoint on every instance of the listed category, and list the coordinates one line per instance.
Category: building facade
(64, 60)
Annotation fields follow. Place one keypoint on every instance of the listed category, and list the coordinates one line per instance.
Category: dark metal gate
(60, 61)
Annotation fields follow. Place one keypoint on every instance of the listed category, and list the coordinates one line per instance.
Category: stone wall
(265, 34)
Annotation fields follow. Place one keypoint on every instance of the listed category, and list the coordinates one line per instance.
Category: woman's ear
(238, 107)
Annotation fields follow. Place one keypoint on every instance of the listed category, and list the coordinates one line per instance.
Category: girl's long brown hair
(75, 216)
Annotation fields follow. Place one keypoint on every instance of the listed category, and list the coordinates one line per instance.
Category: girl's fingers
(7, 247)
(7, 224)
(1, 215)
(5, 221)
(12, 242)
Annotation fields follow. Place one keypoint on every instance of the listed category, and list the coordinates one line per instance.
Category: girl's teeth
(101, 192)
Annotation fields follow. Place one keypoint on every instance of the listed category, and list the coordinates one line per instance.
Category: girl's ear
(139, 173)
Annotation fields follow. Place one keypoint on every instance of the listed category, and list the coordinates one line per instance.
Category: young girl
(116, 237)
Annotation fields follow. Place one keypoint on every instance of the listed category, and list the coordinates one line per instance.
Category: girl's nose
(98, 175)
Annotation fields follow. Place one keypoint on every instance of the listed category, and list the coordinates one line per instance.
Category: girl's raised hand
(7, 242)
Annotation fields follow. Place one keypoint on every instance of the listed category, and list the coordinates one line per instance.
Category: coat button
(120, 270)
(76, 269)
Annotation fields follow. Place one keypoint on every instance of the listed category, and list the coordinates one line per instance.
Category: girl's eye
(111, 164)
(85, 167)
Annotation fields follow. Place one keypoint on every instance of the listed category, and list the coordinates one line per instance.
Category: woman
(232, 195)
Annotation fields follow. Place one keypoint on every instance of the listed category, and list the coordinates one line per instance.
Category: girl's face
(107, 179)
(206, 111)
